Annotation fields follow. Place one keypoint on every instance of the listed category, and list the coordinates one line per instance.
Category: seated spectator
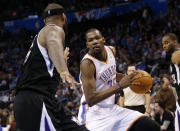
(165, 94)
(163, 117)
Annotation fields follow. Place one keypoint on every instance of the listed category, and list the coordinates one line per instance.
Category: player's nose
(164, 47)
(95, 41)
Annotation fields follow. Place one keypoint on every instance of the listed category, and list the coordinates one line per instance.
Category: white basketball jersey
(105, 78)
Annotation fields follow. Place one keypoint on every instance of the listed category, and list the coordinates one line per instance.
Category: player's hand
(67, 78)
(127, 80)
(66, 54)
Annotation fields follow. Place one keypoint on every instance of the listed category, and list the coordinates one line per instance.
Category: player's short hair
(53, 9)
(172, 36)
(91, 30)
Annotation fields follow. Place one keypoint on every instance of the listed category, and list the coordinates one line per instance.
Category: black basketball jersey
(175, 75)
(38, 71)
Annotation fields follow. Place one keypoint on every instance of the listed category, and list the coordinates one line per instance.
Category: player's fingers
(133, 74)
(66, 49)
(136, 78)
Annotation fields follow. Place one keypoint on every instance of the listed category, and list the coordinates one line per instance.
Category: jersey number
(174, 79)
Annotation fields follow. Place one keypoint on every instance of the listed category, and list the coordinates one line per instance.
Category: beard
(171, 50)
(169, 53)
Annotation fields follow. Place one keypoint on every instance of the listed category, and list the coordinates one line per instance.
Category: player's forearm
(121, 102)
(99, 96)
(56, 54)
(148, 101)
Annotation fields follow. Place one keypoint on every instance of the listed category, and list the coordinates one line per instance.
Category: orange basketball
(145, 81)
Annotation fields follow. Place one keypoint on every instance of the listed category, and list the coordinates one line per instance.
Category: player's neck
(100, 56)
(60, 24)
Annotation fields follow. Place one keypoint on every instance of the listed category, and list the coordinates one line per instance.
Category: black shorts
(36, 112)
(139, 108)
(145, 124)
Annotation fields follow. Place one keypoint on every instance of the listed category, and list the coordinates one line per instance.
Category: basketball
(145, 81)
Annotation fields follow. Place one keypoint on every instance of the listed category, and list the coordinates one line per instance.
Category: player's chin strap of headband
(53, 12)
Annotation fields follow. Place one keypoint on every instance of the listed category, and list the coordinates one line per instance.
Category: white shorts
(113, 118)
(177, 117)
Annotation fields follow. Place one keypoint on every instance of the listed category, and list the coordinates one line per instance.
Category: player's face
(95, 41)
(168, 44)
(131, 69)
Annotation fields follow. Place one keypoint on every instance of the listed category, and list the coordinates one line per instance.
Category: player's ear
(104, 39)
(175, 42)
(63, 17)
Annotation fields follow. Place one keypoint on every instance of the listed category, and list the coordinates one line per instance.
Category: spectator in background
(165, 94)
(163, 117)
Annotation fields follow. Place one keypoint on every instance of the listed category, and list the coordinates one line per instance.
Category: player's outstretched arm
(54, 42)
(148, 102)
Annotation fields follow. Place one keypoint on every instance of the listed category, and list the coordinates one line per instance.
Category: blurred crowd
(34, 9)
(137, 41)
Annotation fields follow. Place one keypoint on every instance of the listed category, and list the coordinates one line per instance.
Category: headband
(52, 12)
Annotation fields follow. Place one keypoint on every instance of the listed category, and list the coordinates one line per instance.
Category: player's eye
(166, 42)
(89, 40)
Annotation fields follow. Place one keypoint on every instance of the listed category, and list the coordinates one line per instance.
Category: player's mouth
(96, 47)
(165, 49)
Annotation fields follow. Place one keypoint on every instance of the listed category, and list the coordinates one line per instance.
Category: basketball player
(98, 110)
(35, 106)
(171, 47)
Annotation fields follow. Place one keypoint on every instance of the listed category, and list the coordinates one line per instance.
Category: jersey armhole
(111, 50)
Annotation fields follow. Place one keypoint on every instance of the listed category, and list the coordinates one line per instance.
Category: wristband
(120, 86)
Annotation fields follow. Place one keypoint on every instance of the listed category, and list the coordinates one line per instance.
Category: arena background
(134, 27)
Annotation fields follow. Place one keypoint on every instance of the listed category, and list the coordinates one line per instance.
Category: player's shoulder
(53, 28)
(112, 48)
(176, 57)
(87, 64)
